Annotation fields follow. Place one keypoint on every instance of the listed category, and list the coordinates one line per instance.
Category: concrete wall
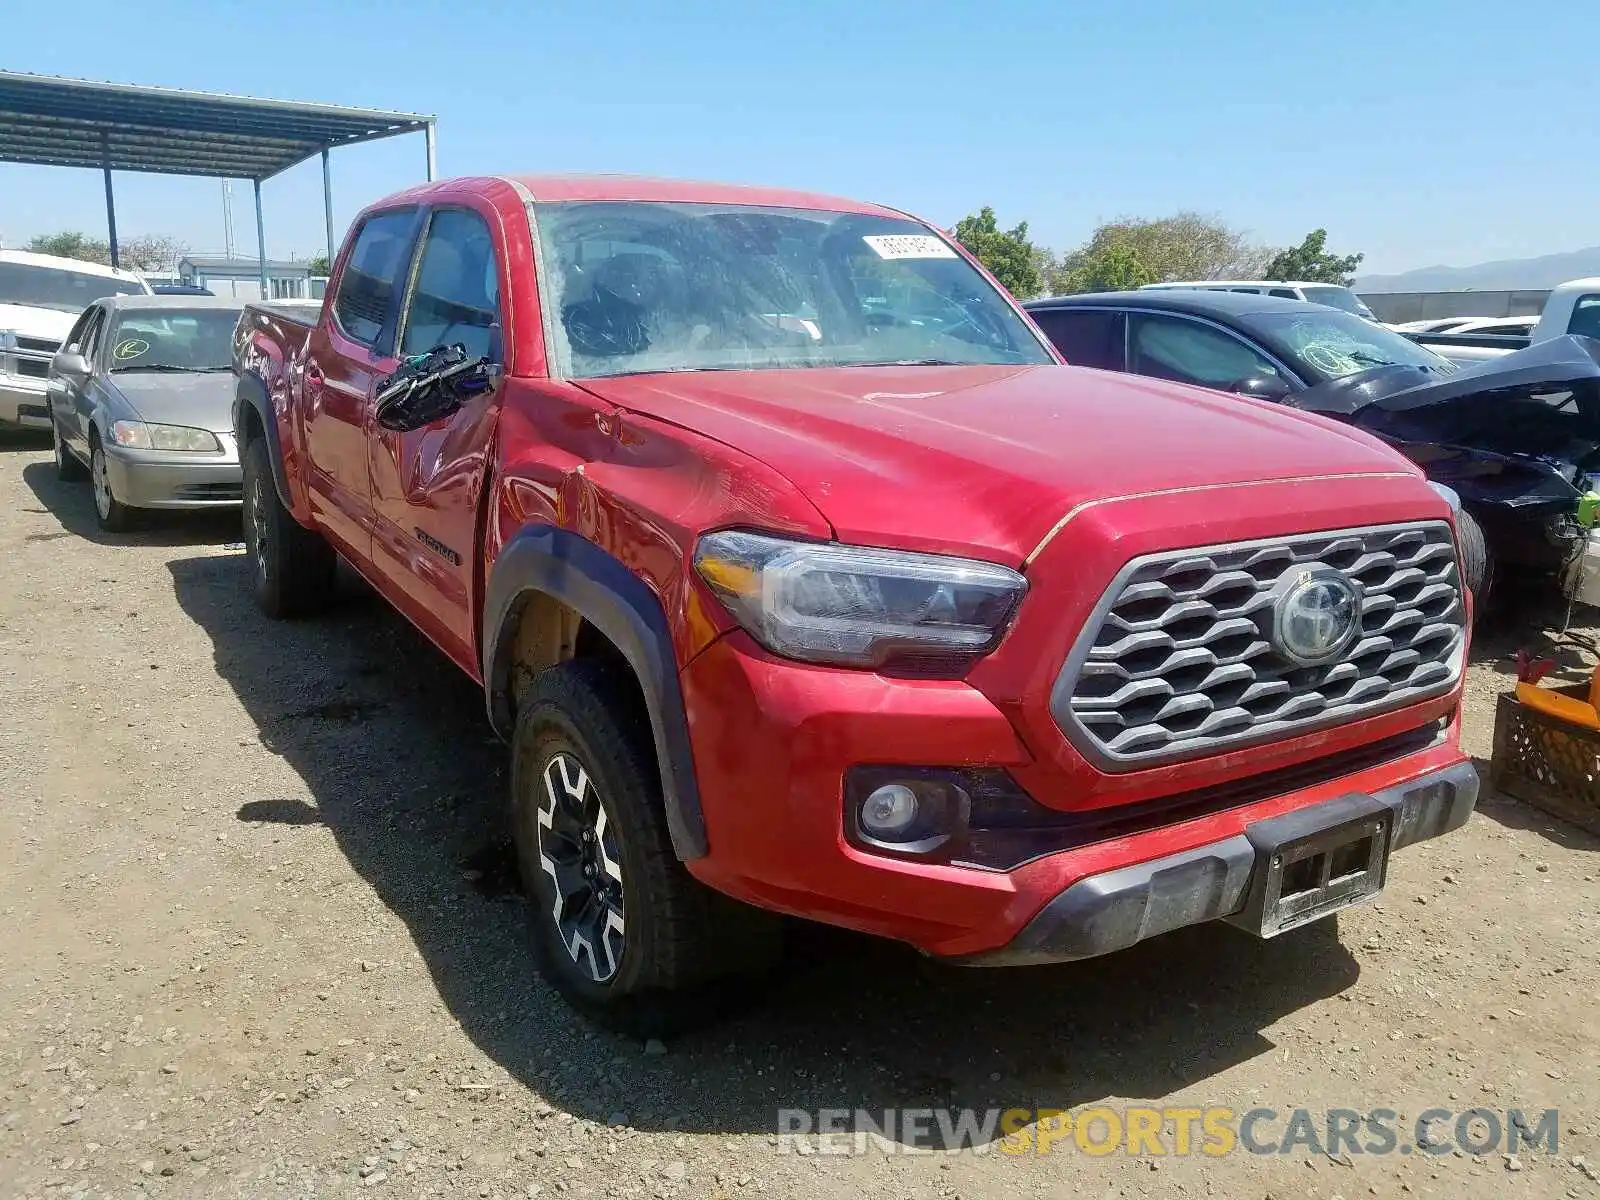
(1419, 306)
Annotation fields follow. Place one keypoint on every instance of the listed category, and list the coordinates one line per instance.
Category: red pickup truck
(803, 578)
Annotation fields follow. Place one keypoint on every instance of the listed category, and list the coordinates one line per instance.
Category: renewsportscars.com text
(1150, 1131)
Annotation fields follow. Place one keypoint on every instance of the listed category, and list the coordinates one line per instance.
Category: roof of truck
(559, 188)
(683, 191)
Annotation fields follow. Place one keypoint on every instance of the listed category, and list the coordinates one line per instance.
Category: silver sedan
(141, 400)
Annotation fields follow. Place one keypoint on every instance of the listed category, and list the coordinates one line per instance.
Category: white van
(1331, 294)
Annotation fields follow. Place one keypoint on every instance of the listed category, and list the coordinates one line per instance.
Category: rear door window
(370, 283)
(1086, 337)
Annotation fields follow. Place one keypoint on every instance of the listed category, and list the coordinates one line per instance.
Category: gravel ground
(261, 938)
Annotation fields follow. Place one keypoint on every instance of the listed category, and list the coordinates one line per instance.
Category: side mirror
(432, 386)
(1264, 387)
(70, 362)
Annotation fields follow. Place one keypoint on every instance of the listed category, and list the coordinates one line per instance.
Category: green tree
(1311, 262)
(1185, 245)
(151, 252)
(144, 252)
(1112, 268)
(319, 264)
(72, 245)
(1008, 253)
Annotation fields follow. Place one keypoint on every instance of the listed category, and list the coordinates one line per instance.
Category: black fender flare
(554, 562)
(251, 392)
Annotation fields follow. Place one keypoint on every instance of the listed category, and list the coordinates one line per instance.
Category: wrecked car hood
(1543, 400)
(1557, 380)
(1520, 431)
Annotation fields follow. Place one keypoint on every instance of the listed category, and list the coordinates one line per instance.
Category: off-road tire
(292, 569)
(1477, 564)
(113, 515)
(69, 467)
(678, 936)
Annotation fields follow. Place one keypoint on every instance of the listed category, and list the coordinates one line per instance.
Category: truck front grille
(1179, 660)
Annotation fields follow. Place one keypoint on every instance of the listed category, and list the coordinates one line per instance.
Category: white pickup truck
(1574, 307)
(40, 298)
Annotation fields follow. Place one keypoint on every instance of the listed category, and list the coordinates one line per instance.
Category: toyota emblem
(1317, 615)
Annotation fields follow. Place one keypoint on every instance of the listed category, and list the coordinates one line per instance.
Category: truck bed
(271, 332)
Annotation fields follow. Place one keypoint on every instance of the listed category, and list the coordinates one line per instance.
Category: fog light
(889, 811)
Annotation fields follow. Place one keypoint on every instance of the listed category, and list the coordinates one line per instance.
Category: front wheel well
(547, 632)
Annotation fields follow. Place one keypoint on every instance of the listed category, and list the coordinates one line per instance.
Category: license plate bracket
(1315, 862)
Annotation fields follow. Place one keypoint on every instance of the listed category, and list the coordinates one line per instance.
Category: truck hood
(36, 322)
(986, 459)
(202, 400)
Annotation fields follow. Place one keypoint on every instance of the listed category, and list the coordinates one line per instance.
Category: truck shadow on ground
(72, 504)
(392, 743)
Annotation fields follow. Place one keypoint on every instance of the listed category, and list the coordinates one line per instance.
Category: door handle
(311, 381)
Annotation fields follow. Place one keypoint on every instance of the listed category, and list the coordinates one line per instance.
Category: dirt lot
(260, 938)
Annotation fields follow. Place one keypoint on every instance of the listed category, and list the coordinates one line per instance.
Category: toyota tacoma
(804, 579)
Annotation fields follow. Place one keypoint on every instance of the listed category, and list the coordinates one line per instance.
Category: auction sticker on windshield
(908, 245)
(131, 348)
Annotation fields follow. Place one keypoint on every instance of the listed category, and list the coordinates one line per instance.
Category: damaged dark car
(1516, 439)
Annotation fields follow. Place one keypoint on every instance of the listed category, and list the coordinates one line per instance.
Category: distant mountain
(1513, 273)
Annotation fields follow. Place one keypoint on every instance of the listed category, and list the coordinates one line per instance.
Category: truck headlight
(861, 607)
(8, 339)
(141, 435)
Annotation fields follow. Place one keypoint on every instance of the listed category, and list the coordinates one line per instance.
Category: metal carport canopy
(49, 121)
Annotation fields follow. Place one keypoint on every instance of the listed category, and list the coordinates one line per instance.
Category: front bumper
(24, 402)
(176, 479)
(1115, 909)
(773, 742)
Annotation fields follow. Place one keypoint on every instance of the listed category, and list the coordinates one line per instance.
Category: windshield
(173, 339)
(53, 287)
(644, 287)
(1337, 297)
(1329, 344)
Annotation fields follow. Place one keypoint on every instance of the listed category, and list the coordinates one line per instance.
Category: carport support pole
(111, 203)
(427, 133)
(327, 205)
(261, 240)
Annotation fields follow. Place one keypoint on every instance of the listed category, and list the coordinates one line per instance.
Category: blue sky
(1418, 131)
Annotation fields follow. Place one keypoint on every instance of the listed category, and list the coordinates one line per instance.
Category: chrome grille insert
(1177, 659)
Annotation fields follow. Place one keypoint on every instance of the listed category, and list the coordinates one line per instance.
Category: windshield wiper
(155, 367)
(915, 362)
